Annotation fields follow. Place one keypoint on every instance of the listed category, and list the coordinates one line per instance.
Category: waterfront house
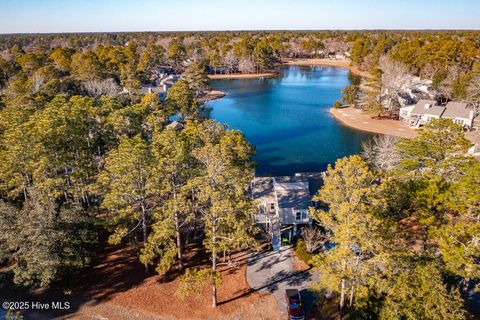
(161, 91)
(426, 110)
(159, 84)
(459, 113)
(404, 113)
(283, 202)
(421, 113)
(331, 55)
(175, 125)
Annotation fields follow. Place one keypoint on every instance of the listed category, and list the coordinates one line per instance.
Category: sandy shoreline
(212, 95)
(327, 62)
(242, 75)
(354, 118)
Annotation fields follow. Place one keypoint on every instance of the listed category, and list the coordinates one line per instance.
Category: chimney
(428, 105)
(149, 90)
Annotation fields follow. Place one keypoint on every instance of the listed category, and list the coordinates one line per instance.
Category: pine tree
(44, 240)
(124, 182)
(225, 209)
(421, 294)
(180, 99)
(360, 239)
(172, 167)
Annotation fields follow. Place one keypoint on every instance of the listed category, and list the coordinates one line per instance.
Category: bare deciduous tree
(107, 87)
(37, 83)
(294, 49)
(380, 152)
(393, 73)
(230, 62)
(473, 94)
(314, 239)
(246, 65)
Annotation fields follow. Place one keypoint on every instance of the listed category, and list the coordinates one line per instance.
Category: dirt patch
(473, 136)
(413, 234)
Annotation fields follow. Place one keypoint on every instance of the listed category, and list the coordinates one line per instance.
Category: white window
(300, 215)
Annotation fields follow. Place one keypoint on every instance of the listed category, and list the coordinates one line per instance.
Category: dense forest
(84, 154)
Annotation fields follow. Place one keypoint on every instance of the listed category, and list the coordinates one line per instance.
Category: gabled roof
(292, 193)
(262, 189)
(434, 109)
(175, 125)
(456, 109)
(152, 89)
(287, 191)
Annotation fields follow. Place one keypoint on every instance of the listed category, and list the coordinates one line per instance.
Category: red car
(294, 305)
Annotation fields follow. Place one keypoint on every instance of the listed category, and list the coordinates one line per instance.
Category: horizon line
(233, 30)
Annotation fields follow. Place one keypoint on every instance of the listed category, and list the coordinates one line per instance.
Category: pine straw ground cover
(117, 279)
(116, 288)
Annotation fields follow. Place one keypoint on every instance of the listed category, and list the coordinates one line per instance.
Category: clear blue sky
(19, 16)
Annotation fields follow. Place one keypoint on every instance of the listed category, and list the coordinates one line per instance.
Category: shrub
(337, 104)
(301, 251)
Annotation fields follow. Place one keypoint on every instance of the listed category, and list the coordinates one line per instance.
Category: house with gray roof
(175, 125)
(459, 113)
(426, 110)
(286, 198)
(160, 84)
(284, 201)
(161, 91)
(422, 112)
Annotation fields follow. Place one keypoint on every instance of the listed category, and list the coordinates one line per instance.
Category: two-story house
(426, 110)
(284, 201)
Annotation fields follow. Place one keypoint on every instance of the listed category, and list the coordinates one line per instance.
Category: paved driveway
(273, 272)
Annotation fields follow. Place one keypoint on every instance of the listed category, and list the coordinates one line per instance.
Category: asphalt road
(273, 272)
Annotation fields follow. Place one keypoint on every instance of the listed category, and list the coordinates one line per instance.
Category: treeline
(404, 218)
(450, 59)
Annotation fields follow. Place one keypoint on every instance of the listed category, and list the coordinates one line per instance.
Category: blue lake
(287, 118)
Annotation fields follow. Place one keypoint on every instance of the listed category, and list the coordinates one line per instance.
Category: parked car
(294, 305)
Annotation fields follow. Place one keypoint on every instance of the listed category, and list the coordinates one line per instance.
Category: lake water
(287, 118)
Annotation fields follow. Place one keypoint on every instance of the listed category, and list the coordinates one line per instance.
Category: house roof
(152, 89)
(456, 109)
(263, 190)
(434, 110)
(287, 191)
(175, 125)
(292, 193)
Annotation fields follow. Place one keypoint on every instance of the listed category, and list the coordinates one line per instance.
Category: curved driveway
(273, 272)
